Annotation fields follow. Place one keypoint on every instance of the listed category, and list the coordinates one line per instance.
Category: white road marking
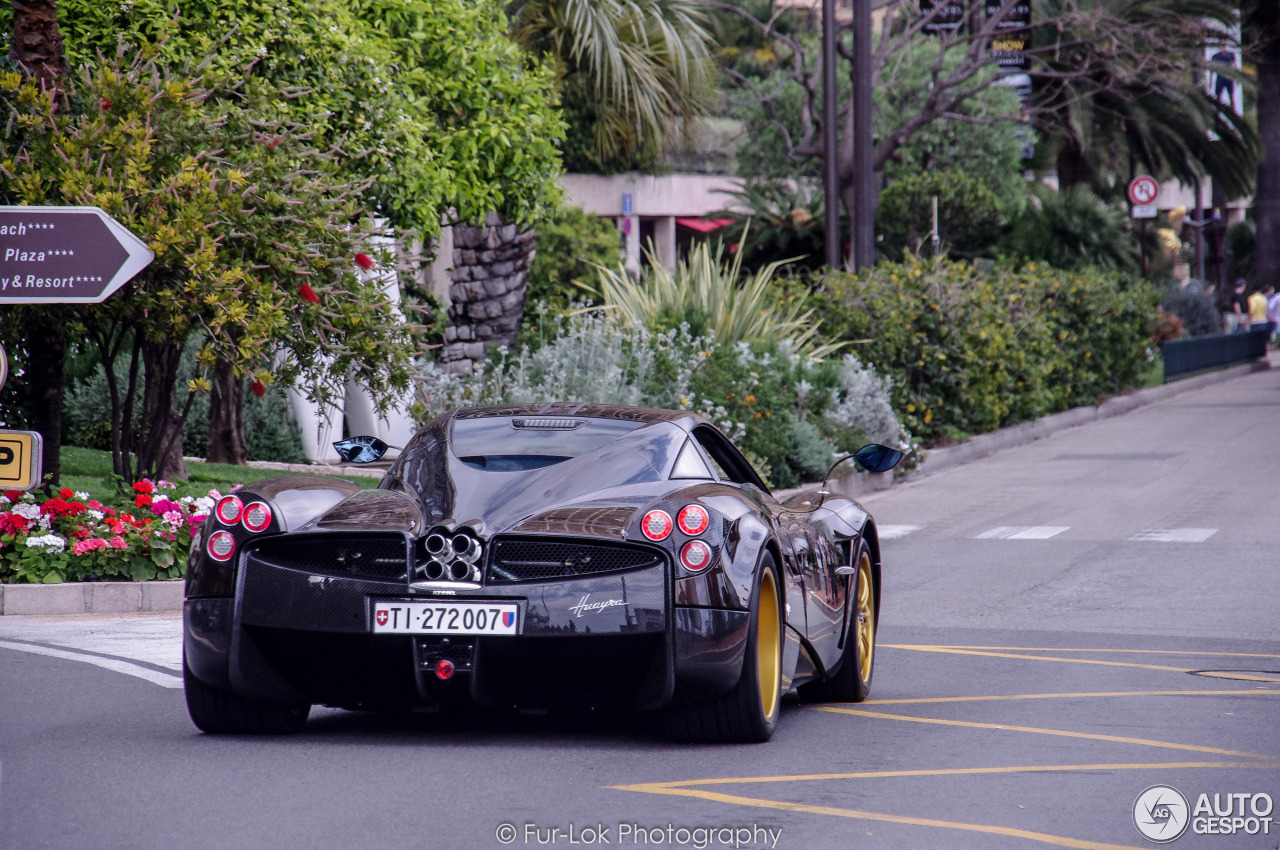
(164, 680)
(1175, 535)
(1022, 532)
(893, 532)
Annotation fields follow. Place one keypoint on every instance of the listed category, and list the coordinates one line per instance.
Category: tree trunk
(46, 353)
(227, 443)
(1265, 26)
(37, 41)
(1073, 166)
(161, 452)
(490, 278)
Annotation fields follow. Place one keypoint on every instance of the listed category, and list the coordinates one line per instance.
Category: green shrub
(787, 413)
(969, 220)
(970, 351)
(1072, 229)
(571, 244)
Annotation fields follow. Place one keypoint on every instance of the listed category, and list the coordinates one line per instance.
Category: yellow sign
(20, 453)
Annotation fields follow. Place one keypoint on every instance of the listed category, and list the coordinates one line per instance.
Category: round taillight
(229, 509)
(221, 546)
(696, 556)
(257, 516)
(656, 525)
(693, 519)
(444, 670)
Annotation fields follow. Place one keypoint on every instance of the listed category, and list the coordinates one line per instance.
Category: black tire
(851, 681)
(747, 714)
(220, 712)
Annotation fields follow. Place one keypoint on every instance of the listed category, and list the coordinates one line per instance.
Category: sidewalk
(79, 598)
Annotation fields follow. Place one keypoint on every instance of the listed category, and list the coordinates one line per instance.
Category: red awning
(704, 225)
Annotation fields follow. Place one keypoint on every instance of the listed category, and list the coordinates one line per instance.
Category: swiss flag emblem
(382, 617)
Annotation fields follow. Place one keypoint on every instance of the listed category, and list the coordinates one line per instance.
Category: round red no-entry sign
(1143, 190)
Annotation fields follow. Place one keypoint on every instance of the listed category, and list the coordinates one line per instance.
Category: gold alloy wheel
(768, 646)
(866, 618)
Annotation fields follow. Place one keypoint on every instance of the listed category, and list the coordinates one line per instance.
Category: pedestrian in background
(1273, 310)
(1238, 315)
(1258, 310)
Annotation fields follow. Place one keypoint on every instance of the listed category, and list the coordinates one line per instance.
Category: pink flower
(117, 543)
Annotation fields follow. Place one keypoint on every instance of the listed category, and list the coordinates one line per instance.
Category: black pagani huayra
(536, 556)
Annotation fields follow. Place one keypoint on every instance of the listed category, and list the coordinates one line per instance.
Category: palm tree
(630, 69)
(1116, 88)
(1262, 46)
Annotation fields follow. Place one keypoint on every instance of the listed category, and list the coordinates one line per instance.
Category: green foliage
(969, 220)
(258, 254)
(972, 351)
(976, 140)
(712, 295)
(630, 69)
(1073, 229)
(436, 107)
(784, 221)
(786, 412)
(571, 245)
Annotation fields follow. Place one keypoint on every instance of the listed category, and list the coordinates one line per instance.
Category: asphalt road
(1065, 625)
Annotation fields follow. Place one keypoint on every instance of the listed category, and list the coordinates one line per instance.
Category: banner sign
(1010, 40)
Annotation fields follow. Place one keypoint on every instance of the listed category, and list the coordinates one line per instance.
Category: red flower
(104, 104)
(258, 388)
(309, 294)
(364, 261)
(13, 495)
(65, 493)
(13, 524)
(143, 487)
(142, 501)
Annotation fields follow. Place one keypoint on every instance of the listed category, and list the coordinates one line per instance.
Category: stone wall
(490, 277)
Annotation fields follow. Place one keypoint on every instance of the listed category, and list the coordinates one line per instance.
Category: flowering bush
(789, 414)
(72, 537)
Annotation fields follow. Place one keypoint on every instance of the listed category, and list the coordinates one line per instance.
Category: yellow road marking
(956, 651)
(1232, 674)
(659, 787)
(919, 700)
(1064, 649)
(1039, 731)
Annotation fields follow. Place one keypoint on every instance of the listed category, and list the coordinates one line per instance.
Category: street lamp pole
(862, 226)
(831, 186)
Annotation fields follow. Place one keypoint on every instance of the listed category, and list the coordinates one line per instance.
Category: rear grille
(375, 557)
(533, 560)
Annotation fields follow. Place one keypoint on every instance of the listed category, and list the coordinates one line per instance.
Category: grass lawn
(89, 470)
(1154, 376)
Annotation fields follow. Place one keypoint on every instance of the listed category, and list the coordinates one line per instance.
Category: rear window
(518, 443)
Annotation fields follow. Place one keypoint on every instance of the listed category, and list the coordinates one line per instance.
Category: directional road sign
(65, 255)
(1143, 190)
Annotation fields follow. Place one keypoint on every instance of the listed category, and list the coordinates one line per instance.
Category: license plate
(446, 618)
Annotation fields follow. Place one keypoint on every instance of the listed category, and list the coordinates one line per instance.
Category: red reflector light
(656, 525)
(257, 516)
(693, 519)
(444, 669)
(229, 509)
(696, 556)
(221, 546)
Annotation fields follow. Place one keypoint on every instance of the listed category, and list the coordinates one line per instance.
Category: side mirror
(361, 449)
(877, 458)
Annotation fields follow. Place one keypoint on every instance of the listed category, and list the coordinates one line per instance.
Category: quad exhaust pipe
(451, 558)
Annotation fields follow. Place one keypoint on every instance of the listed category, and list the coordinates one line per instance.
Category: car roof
(685, 418)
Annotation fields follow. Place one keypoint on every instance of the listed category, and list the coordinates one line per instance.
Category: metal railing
(1184, 357)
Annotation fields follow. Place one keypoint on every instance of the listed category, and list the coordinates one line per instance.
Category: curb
(94, 597)
(166, 596)
(862, 484)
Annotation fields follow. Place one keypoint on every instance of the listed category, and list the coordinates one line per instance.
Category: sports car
(535, 557)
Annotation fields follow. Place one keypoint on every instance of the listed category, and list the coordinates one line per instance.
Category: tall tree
(630, 70)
